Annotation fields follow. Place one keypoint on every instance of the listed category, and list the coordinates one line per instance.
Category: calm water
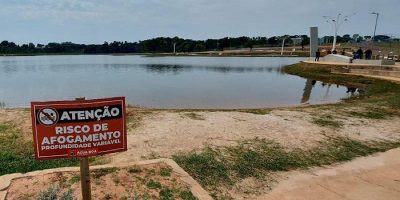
(161, 82)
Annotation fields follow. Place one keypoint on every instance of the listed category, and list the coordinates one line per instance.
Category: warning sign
(80, 128)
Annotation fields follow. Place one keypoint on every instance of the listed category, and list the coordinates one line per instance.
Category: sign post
(85, 173)
(85, 179)
(80, 128)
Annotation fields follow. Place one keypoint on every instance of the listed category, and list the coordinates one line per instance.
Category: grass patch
(166, 194)
(75, 179)
(68, 195)
(194, 116)
(5, 127)
(134, 170)
(165, 171)
(327, 121)
(261, 111)
(187, 195)
(16, 153)
(206, 167)
(49, 194)
(221, 167)
(372, 113)
(152, 184)
(98, 173)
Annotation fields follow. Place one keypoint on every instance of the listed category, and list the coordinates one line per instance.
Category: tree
(381, 38)
(273, 41)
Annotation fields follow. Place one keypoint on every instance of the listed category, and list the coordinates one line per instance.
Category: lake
(161, 82)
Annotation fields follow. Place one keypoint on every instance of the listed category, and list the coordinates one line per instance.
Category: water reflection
(307, 90)
(152, 68)
(158, 68)
(351, 91)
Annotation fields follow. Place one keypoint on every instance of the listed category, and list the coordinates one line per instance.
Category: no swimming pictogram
(48, 116)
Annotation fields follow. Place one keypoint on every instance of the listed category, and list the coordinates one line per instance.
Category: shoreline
(194, 54)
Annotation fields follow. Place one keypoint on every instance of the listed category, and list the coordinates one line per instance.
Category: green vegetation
(194, 116)
(166, 194)
(187, 195)
(49, 194)
(371, 113)
(207, 167)
(68, 195)
(165, 171)
(155, 45)
(152, 184)
(260, 111)
(221, 167)
(327, 121)
(74, 179)
(98, 173)
(134, 170)
(16, 153)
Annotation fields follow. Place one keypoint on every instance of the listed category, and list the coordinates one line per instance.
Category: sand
(165, 133)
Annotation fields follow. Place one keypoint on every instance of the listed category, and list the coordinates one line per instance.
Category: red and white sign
(79, 128)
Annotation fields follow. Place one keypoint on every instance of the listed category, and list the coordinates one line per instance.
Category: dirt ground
(157, 134)
(164, 133)
(139, 182)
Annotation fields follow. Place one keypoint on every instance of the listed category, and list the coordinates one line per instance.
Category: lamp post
(283, 46)
(337, 23)
(376, 23)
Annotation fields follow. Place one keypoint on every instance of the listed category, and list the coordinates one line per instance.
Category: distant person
(360, 53)
(351, 90)
(342, 52)
(329, 52)
(356, 55)
(368, 54)
(334, 51)
(317, 55)
(313, 82)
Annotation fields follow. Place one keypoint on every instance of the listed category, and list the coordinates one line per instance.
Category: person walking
(360, 53)
(368, 54)
(317, 55)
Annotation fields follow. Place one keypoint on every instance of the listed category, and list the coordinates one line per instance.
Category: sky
(96, 21)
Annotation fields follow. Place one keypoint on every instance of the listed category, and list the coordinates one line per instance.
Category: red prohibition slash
(48, 119)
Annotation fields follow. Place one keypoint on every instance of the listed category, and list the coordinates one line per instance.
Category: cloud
(98, 20)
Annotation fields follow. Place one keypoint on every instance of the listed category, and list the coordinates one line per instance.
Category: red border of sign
(78, 102)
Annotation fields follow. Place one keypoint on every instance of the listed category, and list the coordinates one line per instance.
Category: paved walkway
(349, 64)
(388, 78)
(369, 178)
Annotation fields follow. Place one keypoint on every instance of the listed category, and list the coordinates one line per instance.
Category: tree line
(166, 45)
(155, 45)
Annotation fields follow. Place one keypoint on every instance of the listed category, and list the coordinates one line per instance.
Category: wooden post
(85, 179)
(85, 175)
